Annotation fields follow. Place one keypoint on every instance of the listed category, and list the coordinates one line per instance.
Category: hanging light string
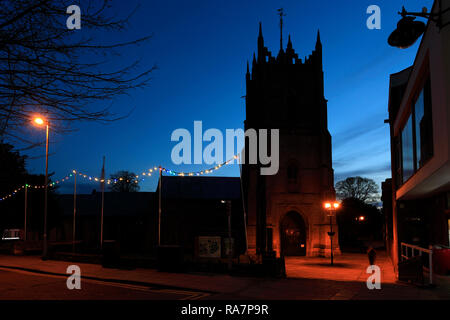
(136, 178)
(199, 173)
(19, 189)
(30, 186)
(108, 181)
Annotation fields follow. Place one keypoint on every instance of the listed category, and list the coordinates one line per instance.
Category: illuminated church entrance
(293, 235)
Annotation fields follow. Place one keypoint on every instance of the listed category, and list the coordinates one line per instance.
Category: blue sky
(201, 49)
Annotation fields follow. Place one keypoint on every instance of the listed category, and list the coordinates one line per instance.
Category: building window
(398, 160)
(423, 127)
(448, 222)
(292, 173)
(407, 150)
(417, 136)
(292, 178)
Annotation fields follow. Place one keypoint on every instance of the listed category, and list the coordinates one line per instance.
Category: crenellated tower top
(288, 84)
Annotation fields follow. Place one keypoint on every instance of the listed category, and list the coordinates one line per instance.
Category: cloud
(354, 156)
(361, 128)
(368, 171)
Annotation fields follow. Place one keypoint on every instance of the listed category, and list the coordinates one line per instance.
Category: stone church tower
(285, 211)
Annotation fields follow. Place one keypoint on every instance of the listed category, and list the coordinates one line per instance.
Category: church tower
(285, 211)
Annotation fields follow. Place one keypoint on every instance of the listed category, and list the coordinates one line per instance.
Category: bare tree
(363, 189)
(124, 181)
(47, 68)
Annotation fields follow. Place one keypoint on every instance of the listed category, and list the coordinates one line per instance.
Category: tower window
(292, 173)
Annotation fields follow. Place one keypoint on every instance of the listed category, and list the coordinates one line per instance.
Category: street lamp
(408, 30)
(41, 122)
(331, 207)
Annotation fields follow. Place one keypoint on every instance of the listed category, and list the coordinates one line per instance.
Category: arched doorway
(293, 235)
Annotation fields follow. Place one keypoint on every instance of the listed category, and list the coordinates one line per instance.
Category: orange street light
(332, 207)
(39, 121)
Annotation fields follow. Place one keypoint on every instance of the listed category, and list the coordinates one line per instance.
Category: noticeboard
(209, 247)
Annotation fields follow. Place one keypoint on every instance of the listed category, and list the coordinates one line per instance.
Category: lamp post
(26, 205)
(40, 121)
(331, 207)
(408, 30)
(230, 247)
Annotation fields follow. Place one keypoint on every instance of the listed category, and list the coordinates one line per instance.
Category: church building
(285, 211)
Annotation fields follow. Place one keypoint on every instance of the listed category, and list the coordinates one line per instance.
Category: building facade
(194, 210)
(285, 210)
(419, 118)
(128, 220)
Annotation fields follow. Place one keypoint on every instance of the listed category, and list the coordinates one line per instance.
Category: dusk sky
(201, 49)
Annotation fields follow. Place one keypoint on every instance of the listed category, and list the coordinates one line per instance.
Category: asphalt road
(23, 285)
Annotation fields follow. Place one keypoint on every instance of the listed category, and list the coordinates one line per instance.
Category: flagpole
(243, 206)
(159, 207)
(103, 202)
(74, 210)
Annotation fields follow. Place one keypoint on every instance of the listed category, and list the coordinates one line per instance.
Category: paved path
(346, 267)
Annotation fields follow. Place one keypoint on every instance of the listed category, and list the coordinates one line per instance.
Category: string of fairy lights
(136, 179)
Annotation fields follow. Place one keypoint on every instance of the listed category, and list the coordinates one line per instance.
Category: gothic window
(292, 173)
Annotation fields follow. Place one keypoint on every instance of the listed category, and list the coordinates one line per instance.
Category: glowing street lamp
(331, 207)
(41, 122)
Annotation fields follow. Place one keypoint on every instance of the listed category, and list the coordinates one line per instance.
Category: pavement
(346, 267)
(307, 278)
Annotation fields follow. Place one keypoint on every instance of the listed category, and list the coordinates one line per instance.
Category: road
(23, 285)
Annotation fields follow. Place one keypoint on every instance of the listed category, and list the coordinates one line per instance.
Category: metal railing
(407, 249)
